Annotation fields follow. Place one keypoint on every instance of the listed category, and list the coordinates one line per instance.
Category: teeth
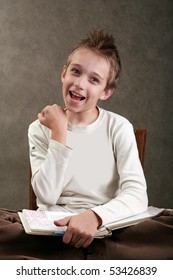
(77, 95)
(74, 94)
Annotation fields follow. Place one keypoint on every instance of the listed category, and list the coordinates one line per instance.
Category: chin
(72, 109)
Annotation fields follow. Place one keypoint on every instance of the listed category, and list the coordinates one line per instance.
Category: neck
(82, 118)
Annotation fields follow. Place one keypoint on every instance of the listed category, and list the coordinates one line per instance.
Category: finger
(40, 116)
(62, 222)
(77, 243)
(46, 110)
(81, 242)
(67, 237)
(87, 242)
(77, 239)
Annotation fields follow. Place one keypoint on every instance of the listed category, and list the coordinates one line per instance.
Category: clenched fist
(54, 117)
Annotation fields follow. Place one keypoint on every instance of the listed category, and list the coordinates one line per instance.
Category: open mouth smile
(76, 96)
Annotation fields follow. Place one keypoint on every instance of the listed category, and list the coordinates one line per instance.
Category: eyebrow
(93, 73)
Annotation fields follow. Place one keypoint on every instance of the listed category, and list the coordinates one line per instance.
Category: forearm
(131, 196)
(49, 160)
(48, 172)
(131, 200)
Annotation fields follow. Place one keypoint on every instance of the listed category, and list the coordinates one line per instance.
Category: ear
(107, 93)
(64, 69)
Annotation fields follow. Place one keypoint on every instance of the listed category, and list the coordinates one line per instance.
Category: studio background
(35, 39)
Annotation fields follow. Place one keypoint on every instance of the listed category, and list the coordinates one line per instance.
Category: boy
(84, 159)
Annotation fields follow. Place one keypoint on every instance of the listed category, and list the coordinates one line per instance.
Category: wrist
(97, 218)
(59, 137)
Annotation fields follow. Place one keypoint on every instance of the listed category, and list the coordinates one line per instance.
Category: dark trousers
(152, 239)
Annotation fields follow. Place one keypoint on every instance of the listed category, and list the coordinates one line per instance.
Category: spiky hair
(104, 45)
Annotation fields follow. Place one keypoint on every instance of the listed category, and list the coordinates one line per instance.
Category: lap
(152, 239)
(16, 244)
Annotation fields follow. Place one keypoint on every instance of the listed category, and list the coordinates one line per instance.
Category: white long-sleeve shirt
(98, 169)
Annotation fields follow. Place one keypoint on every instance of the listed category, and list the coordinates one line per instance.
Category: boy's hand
(81, 228)
(54, 117)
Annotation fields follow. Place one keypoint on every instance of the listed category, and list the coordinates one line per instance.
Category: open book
(42, 222)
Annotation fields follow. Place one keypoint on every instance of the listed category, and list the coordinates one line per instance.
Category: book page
(44, 220)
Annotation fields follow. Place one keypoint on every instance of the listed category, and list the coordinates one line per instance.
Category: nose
(80, 82)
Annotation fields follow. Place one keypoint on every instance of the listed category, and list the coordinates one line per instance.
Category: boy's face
(84, 81)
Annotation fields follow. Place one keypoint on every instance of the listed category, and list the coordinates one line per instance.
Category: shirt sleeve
(49, 160)
(131, 199)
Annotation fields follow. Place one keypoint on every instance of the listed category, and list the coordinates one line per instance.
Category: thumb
(62, 222)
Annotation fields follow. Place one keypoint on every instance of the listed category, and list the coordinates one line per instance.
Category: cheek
(93, 98)
(65, 83)
(68, 80)
(96, 94)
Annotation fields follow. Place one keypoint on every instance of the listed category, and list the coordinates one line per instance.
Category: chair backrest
(140, 135)
(32, 196)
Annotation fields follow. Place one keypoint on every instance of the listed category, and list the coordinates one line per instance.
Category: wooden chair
(32, 196)
(140, 135)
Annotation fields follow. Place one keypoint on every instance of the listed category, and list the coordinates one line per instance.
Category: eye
(95, 80)
(75, 71)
